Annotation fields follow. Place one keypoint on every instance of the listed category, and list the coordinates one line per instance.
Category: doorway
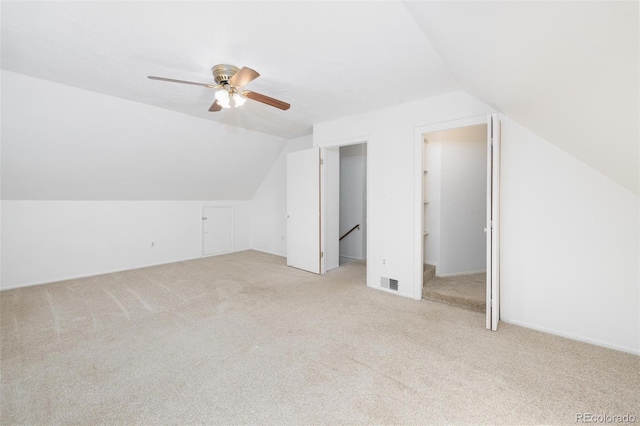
(455, 211)
(316, 224)
(353, 203)
(344, 195)
(427, 209)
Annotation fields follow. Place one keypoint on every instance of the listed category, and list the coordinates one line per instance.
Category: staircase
(465, 291)
(428, 273)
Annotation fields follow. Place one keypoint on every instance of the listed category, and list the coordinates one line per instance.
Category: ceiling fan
(229, 81)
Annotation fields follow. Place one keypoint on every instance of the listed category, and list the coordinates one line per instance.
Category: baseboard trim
(396, 293)
(268, 252)
(352, 258)
(455, 274)
(574, 337)
(111, 271)
(95, 274)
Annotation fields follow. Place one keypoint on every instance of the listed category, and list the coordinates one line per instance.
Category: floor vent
(389, 283)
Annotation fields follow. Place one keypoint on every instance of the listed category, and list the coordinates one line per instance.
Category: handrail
(350, 230)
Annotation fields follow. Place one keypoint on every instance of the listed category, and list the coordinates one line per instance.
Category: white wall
(63, 143)
(353, 185)
(63, 146)
(456, 188)
(569, 254)
(569, 234)
(463, 207)
(391, 172)
(269, 204)
(431, 193)
(45, 241)
(432, 159)
(455, 217)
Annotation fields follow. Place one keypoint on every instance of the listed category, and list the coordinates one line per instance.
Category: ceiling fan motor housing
(222, 73)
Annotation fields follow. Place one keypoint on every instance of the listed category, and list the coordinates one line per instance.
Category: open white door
(493, 221)
(330, 172)
(303, 210)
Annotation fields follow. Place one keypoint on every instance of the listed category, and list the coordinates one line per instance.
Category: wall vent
(393, 284)
(389, 283)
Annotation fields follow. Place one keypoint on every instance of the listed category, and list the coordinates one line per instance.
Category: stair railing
(350, 231)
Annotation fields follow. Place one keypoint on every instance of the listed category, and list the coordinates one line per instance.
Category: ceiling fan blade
(171, 80)
(266, 100)
(215, 106)
(244, 76)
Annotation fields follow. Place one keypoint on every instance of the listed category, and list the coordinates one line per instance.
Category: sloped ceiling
(63, 143)
(566, 70)
(328, 59)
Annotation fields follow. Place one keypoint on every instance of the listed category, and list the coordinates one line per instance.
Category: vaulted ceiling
(566, 70)
(328, 59)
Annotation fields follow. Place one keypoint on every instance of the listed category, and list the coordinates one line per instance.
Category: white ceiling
(328, 59)
(566, 70)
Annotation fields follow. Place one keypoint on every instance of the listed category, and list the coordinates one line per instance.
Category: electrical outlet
(384, 262)
(153, 243)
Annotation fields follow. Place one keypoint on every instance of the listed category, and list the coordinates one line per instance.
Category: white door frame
(418, 195)
(493, 220)
(202, 220)
(333, 145)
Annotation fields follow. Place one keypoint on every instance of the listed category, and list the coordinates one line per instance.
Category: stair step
(428, 273)
(461, 302)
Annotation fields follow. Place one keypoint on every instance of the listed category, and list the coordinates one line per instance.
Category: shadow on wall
(353, 202)
(455, 194)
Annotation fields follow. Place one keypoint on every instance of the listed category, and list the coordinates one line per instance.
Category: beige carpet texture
(466, 291)
(244, 339)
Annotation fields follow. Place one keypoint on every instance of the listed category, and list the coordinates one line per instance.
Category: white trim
(217, 254)
(418, 190)
(386, 290)
(267, 252)
(457, 274)
(345, 142)
(574, 337)
(95, 274)
(495, 220)
(354, 258)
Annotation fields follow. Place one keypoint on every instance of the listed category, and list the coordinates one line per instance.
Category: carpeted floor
(243, 339)
(465, 291)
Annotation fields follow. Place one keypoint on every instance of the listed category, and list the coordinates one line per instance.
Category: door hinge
(321, 161)
(321, 254)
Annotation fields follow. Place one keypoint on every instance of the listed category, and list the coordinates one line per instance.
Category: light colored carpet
(465, 291)
(242, 338)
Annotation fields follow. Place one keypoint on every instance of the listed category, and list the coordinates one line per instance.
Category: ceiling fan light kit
(229, 80)
(228, 99)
